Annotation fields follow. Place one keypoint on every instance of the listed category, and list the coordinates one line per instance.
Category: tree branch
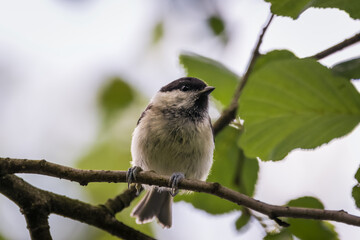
(121, 201)
(337, 47)
(151, 178)
(229, 113)
(37, 224)
(34, 201)
(32, 204)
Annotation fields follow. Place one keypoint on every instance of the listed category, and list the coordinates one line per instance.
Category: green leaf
(213, 73)
(284, 234)
(295, 103)
(114, 96)
(356, 195)
(290, 8)
(307, 229)
(231, 168)
(356, 189)
(306, 202)
(350, 6)
(247, 174)
(357, 175)
(228, 171)
(243, 220)
(158, 32)
(217, 26)
(293, 8)
(349, 69)
(273, 56)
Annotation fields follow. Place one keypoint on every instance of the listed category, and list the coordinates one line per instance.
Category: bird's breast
(174, 146)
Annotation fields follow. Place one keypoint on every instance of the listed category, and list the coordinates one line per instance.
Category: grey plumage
(155, 203)
(173, 134)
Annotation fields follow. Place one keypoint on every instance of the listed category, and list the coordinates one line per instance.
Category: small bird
(173, 137)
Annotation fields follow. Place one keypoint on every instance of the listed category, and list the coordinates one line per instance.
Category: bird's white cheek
(177, 99)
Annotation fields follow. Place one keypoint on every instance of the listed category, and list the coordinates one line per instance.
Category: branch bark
(37, 224)
(337, 47)
(37, 205)
(32, 204)
(273, 211)
(229, 113)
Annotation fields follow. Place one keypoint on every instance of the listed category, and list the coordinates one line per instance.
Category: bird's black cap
(184, 84)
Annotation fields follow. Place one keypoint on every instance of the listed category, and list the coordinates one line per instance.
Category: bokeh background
(61, 59)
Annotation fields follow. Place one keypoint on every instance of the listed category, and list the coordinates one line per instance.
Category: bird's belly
(182, 150)
(186, 159)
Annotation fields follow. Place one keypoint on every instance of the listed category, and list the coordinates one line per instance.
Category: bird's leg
(131, 176)
(174, 182)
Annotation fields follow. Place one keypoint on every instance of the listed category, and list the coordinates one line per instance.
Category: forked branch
(86, 176)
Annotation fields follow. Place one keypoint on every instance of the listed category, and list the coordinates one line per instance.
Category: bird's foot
(131, 176)
(174, 182)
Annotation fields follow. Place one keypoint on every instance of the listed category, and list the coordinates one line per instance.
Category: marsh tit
(173, 137)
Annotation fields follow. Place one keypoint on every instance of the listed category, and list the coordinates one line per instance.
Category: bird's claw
(131, 174)
(174, 182)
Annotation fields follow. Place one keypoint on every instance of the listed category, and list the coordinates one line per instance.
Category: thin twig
(151, 178)
(121, 201)
(230, 112)
(337, 47)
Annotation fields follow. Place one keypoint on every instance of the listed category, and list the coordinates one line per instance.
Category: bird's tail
(157, 204)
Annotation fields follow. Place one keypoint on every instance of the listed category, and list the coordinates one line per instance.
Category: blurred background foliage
(121, 105)
(280, 89)
(277, 114)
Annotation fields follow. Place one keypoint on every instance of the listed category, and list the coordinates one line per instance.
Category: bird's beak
(207, 90)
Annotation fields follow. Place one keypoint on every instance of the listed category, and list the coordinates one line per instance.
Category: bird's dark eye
(184, 88)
